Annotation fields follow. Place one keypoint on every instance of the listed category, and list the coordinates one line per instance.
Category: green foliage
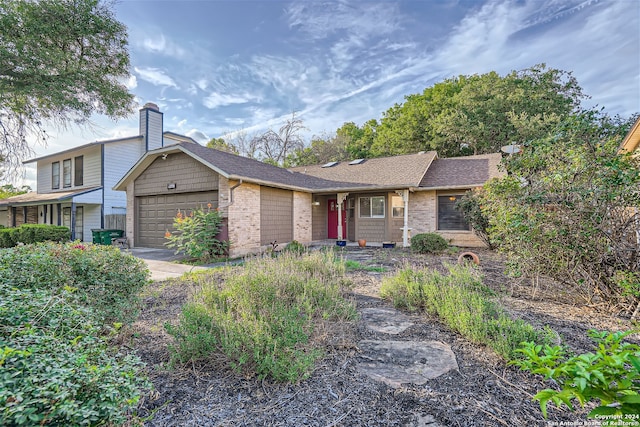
(321, 150)
(33, 233)
(59, 73)
(222, 145)
(102, 277)
(564, 209)
(355, 265)
(471, 114)
(55, 363)
(463, 303)
(295, 247)
(610, 375)
(9, 190)
(197, 234)
(471, 208)
(425, 243)
(262, 317)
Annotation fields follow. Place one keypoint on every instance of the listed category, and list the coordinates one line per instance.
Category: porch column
(341, 198)
(73, 221)
(405, 228)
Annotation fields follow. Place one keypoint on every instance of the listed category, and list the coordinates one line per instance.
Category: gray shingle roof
(458, 172)
(402, 171)
(235, 167)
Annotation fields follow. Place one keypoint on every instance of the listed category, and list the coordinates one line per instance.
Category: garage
(155, 214)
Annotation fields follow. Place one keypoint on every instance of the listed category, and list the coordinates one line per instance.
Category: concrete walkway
(163, 263)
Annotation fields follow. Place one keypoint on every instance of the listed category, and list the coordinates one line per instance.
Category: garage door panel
(154, 214)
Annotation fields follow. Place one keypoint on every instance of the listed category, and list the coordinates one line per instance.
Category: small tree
(471, 207)
(197, 234)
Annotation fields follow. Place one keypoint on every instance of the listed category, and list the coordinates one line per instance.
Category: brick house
(380, 200)
(74, 187)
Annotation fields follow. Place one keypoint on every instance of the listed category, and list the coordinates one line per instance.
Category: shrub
(33, 233)
(295, 247)
(463, 303)
(55, 365)
(197, 234)
(262, 317)
(103, 277)
(610, 375)
(425, 243)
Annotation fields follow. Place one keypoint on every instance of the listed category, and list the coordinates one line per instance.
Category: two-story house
(74, 187)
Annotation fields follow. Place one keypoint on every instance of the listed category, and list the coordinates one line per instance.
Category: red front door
(332, 219)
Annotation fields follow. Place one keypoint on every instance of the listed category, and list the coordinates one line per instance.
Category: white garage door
(155, 214)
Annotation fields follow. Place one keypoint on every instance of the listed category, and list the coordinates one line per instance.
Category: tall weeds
(261, 317)
(463, 303)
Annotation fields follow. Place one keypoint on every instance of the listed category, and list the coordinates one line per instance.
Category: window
(66, 173)
(372, 207)
(78, 171)
(55, 175)
(397, 207)
(79, 223)
(449, 218)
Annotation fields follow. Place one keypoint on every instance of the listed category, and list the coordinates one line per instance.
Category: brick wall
(244, 219)
(423, 209)
(302, 217)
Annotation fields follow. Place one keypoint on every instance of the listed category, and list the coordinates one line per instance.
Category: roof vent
(356, 161)
(330, 164)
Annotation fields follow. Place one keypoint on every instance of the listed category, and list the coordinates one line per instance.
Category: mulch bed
(483, 392)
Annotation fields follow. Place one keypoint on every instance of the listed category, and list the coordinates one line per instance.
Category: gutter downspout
(231, 192)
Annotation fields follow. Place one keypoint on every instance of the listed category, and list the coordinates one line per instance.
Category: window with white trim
(55, 175)
(66, 173)
(372, 207)
(397, 207)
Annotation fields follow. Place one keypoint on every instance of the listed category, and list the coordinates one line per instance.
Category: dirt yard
(484, 391)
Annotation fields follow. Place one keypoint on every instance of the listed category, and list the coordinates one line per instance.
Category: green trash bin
(103, 236)
(96, 236)
(107, 235)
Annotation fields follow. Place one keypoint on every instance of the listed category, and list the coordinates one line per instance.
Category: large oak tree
(60, 62)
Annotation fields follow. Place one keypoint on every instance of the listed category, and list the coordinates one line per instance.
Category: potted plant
(341, 242)
(362, 243)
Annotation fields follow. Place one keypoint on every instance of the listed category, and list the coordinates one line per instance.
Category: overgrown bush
(55, 363)
(295, 247)
(611, 376)
(33, 233)
(262, 317)
(425, 243)
(197, 234)
(566, 211)
(102, 277)
(462, 302)
(470, 205)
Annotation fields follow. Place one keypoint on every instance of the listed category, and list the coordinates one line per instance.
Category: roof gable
(461, 172)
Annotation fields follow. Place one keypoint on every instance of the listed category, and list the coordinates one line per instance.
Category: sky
(218, 67)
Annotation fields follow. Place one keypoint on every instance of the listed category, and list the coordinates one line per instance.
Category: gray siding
(187, 174)
(319, 218)
(276, 215)
(119, 157)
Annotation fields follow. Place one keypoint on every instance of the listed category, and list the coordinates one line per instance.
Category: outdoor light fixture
(452, 198)
(171, 186)
(316, 203)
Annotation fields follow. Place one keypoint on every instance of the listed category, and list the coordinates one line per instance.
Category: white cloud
(215, 100)
(132, 82)
(198, 135)
(160, 44)
(155, 76)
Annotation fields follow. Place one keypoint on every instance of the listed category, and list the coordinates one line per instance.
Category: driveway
(163, 263)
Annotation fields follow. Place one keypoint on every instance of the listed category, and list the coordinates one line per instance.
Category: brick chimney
(151, 126)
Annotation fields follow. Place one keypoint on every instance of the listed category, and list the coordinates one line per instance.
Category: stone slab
(405, 362)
